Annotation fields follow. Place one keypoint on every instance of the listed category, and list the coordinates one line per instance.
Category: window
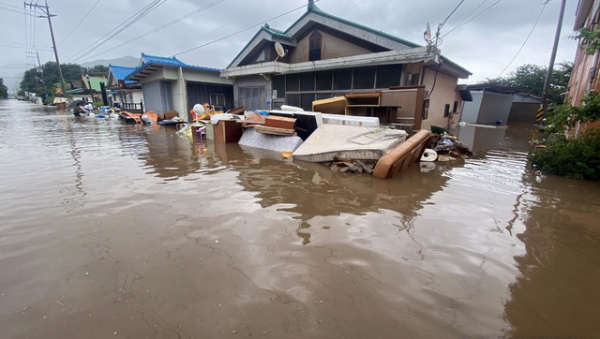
(217, 100)
(446, 110)
(307, 81)
(342, 78)
(364, 77)
(388, 76)
(455, 108)
(279, 85)
(306, 101)
(314, 49)
(292, 82)
(324, 80)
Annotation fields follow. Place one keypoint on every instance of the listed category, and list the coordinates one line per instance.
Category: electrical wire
(524, 42)
(170, 23)
(79, 23)
(473, 18)
(224, 25)
(469, 15)
(451, 13)
(242, 30)
(117, 30)
(376, 9)
(350, 8)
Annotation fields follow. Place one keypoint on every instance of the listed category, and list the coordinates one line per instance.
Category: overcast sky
(484, 44)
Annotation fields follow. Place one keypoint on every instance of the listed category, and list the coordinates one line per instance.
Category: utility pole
(552, 59)
(41, 72)
(46, 11)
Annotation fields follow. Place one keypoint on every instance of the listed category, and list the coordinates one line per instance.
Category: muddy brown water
(120, 231)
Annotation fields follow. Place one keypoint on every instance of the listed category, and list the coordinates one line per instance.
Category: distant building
(128, 94)
(495, 104)
(85, 91)
(329, 56)
(170, 84)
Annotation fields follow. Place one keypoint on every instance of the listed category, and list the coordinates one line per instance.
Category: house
(327, 56)
(127, 93)
(585, 75)
(84, 92)
(497, 104)
(170, 84)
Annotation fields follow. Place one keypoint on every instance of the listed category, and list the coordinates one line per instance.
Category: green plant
(590, 39)
(573, 158)
(561, 117)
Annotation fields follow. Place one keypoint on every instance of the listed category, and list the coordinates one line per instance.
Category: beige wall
(444, 93)
(333, 47)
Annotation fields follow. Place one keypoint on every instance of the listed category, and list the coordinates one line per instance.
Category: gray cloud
(485, 45)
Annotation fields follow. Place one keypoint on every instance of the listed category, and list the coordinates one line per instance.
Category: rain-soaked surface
(120, 231)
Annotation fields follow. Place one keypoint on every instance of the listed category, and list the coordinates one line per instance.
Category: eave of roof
(151, 60)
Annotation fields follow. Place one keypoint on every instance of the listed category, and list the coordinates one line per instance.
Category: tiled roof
(314, 9)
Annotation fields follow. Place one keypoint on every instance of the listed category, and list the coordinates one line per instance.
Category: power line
(79, 23)
(242, 30)
(352, 7)
(469, 15)
(170, 23)
(376, 9)
(451, 13)
(473, 18)
(524, 42)
(118, 29)
(227, 23)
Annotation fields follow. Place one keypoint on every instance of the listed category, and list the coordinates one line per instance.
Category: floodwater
(120, 231)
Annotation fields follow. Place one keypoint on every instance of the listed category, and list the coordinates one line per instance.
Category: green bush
(573, 158)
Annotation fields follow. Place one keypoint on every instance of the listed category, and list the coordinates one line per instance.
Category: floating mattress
(351, 142)
(277, 143)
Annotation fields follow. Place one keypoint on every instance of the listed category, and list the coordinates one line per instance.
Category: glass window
(293, 99)
(324, 80)
(315, 44)
(307, 81)
(279, 85)
(307, 100)
(324, 96)
(292, 83)
(388, 76)
(342, 78)
(364, 77)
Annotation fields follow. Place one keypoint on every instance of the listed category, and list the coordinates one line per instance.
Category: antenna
(427, 34)
(280, 51)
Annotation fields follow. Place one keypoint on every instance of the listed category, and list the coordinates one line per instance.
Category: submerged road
(120, 231)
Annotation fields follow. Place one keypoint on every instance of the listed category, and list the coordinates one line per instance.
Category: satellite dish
(280, 51)
(427, 33)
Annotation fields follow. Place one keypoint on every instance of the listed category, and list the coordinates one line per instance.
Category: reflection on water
(115, 230)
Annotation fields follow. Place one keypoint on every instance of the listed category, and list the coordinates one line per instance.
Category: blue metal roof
(148, 60)
(121, 72)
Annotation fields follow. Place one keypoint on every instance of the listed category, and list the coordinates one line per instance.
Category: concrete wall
(494, 107)
(523, 112)
(470, 109)
(445, 93)
(332, 47)
(158, 96)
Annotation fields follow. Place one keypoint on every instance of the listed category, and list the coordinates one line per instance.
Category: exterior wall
(158, 96)
(494, 107)
(470, 109)
(523, 112)
(487, 108)
(585, 68)
(256, 81)
(332, 47)
(444, 93)
(198, 93)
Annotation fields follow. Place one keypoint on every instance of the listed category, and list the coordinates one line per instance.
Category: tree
(32, 79)
(3, 89)
(98, 70)
(531, 79)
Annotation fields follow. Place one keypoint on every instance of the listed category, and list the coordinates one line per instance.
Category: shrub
(573, 158)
